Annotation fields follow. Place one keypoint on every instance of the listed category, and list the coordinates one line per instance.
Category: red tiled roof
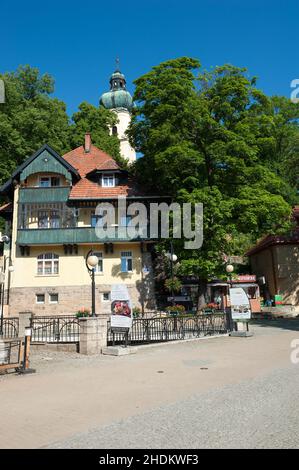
(96, 159)
(86, 189)
(84, 162)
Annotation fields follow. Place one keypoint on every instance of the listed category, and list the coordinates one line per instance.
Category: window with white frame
(99, 267)
(53, 298)
(47, 264)
(49, 181)
(108, 181)
(106, 296)
(126, 261)
(40, 298)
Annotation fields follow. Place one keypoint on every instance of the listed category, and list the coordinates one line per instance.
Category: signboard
(245, 278)
(240, 305)
(121, 309)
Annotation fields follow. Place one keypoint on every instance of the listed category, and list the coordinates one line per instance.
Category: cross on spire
(117, 64)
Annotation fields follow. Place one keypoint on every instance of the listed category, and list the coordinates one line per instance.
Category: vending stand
(218, 291)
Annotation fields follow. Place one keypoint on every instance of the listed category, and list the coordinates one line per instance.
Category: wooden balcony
(44, 195)
(77, 235)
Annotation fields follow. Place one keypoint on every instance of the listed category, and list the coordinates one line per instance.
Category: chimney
(87, 143)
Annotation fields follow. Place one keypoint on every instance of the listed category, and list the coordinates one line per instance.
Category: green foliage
(30, 118)
(97, 121)
(173, 284)
(214, 138)
(136, 312)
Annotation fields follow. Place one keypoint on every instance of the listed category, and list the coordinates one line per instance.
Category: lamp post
(173, 258)
(10, 270)
(230, 269)
(91, 262)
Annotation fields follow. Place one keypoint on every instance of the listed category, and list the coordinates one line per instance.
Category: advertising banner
(240, 305)
(121, 309)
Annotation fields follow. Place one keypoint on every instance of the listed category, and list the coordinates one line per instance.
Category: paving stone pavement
(224, 392)
(262, 413)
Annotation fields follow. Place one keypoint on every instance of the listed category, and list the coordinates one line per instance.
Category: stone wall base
(73, 298)
(59, 347)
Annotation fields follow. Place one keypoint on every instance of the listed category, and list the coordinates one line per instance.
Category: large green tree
(213, 137)
(29, 118)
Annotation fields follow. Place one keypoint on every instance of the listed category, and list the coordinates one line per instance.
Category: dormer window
(108, 181)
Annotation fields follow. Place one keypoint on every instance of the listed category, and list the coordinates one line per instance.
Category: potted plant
(176, 309)
(136, 312)
(83, 312)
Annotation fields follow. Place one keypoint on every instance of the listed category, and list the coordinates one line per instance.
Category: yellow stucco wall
(72, 269)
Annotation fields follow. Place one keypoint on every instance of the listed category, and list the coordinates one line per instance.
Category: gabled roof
(5, 187)
(47, 147)
(86, 162)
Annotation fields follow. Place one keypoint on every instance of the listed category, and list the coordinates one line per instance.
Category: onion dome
(118, 97)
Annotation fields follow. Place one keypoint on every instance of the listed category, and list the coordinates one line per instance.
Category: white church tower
(119, 100)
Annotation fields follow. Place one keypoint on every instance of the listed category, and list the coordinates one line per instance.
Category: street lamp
(91, 262)
(172, 258)
(230, 269)
(10, 270)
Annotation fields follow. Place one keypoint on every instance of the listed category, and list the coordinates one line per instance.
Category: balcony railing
(44, 195)
(46, 215)
(57, 236)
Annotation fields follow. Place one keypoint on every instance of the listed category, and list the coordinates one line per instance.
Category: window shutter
(123, 265)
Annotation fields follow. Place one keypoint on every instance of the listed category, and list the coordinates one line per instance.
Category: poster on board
(240, 305)
(121, 309)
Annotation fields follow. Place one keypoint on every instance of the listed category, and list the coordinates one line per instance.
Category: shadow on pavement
(282, 323)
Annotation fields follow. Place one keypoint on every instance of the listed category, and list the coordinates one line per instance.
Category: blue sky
(77, 42)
